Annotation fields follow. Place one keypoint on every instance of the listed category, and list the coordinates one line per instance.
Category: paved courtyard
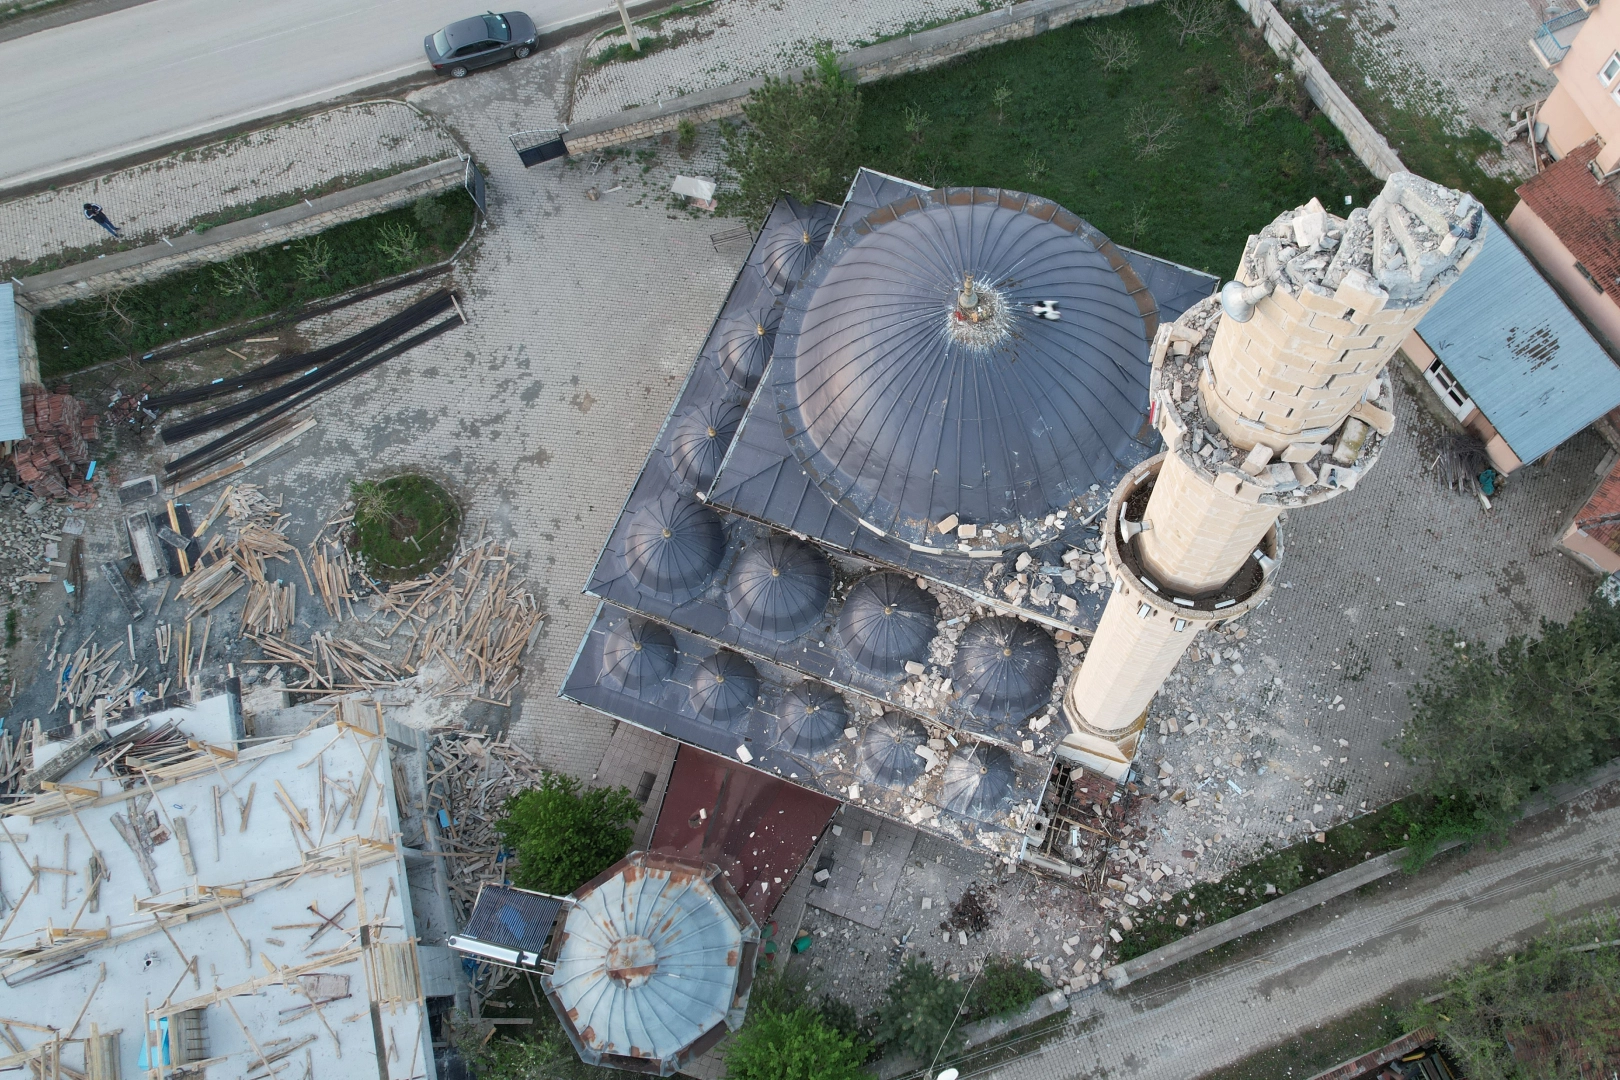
(312, 155)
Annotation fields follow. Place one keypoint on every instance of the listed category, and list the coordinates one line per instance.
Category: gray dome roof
(700, 439)
(779, 586)
(907, 407)
(977, 780)
(672, 546)
(813, 717)
(724, 687)
(886, 621)
(888, 753)
(744, 342)
(1004, 668)
(639, 655)
(790, 245)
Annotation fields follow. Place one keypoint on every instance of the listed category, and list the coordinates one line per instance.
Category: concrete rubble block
(1378, 419)
(947, 524)
(1303, 473)
(1258, 458)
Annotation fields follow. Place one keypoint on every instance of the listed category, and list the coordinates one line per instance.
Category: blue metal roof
(1529, 364)
(11, 418)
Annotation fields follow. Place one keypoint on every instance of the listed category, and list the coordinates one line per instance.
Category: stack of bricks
(50, 461)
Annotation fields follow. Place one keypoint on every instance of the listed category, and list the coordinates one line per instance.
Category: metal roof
(744, 340)
(724, 688)
(653, 963)
(886, 621)
(1523, 357)
(889, 750)
(700, 438)
(812, 717)
(673, 545)
(790, 244)
(639, 655)
(11, 417)
(907, 411)
(1004, 668)
(978, 779)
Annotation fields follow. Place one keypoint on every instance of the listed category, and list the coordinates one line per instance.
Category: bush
(1004, 986)
(272, 280)
(799, 140)
(564, 836)
(919, 1013)
(1548, 1011)
(797, 1045)
(1490, 729)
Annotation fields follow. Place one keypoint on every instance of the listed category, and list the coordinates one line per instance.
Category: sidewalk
(733, 40)
(1343, 955)
(267, 168)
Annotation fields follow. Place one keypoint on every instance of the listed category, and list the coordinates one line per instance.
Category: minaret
(1271, 398)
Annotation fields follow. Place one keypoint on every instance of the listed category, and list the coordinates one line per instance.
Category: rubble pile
(50, 460)
(471, 777)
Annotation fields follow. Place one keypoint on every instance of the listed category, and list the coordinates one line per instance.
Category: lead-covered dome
(813, 716)
(744, 342)
(700, 439)
(779, 587)
(977, 780)
(886, 621)
(639, 655)
(672, 546)
(724, 687)
(1003, 668)
(969, 352)
(889, 750)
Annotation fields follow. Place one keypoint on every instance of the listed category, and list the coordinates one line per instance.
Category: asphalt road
(103, 88)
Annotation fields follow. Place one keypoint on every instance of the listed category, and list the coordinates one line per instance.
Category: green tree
(799, 140)
(1546, 1012)
(797, 1045)
(1004, 986)
(919, 1011)
(564, 835)
(1490, 729)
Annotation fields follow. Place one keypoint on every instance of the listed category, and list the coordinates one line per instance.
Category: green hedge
(137, 320)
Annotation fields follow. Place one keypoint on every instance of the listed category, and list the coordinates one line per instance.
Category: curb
(1329, 888)
(976, 1035)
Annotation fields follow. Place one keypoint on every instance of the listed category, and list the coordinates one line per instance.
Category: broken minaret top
(1408, 245)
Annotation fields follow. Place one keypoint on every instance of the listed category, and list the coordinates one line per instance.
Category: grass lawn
(403, 526)
(136, 320)
(1154, 155)
(1422, 141)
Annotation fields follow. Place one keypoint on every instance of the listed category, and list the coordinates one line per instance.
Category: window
(496, 27)
(1452, 395)
(1610, 70)
(474, 49)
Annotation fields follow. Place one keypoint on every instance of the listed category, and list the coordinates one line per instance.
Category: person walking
(99, 216)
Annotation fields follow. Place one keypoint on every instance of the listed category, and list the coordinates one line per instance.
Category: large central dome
(968, 352)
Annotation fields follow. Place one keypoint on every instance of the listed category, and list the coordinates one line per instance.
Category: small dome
(724, 687)
(791, 246)
(813, 717)
(889, 750)
(779, 587)
(977, 780)
(639, 655)
(886, 621)
(1004, 668)
(744, 342)
(700, 439)
(672, 546)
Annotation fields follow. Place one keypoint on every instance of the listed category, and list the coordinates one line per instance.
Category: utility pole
(629, 30)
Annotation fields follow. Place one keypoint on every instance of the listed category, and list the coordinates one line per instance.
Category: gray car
(481, 41)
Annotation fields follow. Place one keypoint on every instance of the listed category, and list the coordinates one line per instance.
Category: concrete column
(1269, 399)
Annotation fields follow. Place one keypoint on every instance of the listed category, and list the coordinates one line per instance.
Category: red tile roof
(1600, 517)
(1583, 213)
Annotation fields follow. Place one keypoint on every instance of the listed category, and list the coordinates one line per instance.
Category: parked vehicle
(481, 41)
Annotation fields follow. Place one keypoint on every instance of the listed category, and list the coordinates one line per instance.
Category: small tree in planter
(796, 1045)
(919, 1012)
(563, 835)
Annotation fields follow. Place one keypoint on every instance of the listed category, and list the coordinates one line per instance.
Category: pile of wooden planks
(471, 776)
(16, 757)
(93, 674)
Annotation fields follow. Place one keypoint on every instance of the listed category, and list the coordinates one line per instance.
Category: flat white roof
(301, 897)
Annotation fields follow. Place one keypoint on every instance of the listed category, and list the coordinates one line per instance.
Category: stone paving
(732, 40)
(1467, 62)
(317, 153)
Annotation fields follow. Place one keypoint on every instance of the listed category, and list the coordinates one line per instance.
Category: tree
(564, 836)
(1196, 19)
(919, 1012)
(1547, 1011)
(1490, 729)
(799, 140)
(797, 1045)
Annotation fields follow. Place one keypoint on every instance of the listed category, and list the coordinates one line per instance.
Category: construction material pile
(51, 460)
(16, 757)
(470, 777)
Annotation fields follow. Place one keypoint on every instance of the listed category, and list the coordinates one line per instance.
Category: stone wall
(914, 52)
(1371, 147)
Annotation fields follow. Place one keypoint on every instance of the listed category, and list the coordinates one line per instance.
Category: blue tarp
(11, 419)
(1531, 366)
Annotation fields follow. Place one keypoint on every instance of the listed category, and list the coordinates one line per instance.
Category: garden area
(130, 322)
(403, 526)
(1171, 127)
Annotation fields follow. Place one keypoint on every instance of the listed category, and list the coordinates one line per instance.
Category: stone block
(1301, 451)
(1317, 299)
